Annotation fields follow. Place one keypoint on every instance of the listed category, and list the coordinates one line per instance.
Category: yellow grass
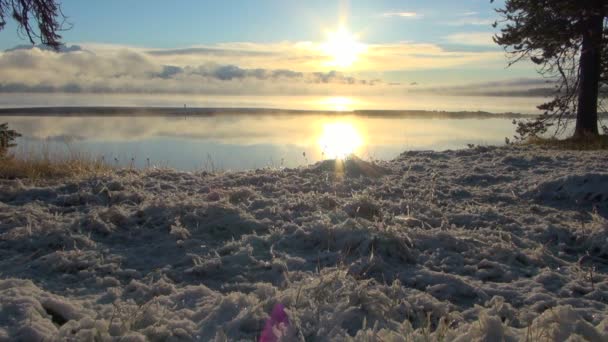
(43, 166)
(579, 144)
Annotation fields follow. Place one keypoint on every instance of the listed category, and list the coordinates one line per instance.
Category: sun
(342, 47)
(338, 140)
(337, 103)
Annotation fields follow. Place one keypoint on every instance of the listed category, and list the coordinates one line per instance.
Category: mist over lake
(247, 136)
(239, 141)
(405, 101)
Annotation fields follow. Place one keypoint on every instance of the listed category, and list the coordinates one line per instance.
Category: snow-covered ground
(491, 243)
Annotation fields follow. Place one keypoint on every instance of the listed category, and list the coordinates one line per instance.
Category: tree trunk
(590, 63)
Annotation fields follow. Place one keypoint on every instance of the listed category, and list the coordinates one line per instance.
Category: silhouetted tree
(565, 39)
(37, 19)
(7, 136)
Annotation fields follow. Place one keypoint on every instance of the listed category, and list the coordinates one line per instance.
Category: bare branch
(37, 20)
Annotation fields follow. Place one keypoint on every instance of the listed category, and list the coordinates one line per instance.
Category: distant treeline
(168, 111)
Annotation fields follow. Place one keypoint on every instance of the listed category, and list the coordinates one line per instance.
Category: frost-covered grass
(481, 244)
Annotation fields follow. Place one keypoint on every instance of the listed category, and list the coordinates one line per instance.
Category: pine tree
(565, 39)
(7, 136)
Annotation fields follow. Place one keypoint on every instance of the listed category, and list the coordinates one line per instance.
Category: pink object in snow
(276, 325)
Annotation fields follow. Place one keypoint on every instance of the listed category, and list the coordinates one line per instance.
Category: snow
(488, 243)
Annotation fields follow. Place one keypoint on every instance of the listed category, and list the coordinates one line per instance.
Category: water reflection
(249, 141)
(410, 101)
(339, 139)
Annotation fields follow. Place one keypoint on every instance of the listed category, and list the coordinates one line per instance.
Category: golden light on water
(339, 139)
(342, 47)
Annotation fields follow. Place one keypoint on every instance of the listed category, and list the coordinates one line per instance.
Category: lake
(247, 141)
(410, 101)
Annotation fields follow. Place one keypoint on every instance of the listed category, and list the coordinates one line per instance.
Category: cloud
(209, 51)
(130, 71)
(470, 18)
(310, 57)
(62, 48)
(400, 14)
(421, 56)
(242, 68)
(471, 22)
(471, 38)
(520, 87)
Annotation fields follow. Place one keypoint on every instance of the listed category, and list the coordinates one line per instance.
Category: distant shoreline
(210, 111)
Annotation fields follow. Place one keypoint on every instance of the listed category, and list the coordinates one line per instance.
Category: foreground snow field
(487, 243)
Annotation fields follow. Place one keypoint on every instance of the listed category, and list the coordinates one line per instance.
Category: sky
(269, 47)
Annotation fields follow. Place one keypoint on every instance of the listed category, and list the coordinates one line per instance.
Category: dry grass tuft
(579, 144)
(44, 167)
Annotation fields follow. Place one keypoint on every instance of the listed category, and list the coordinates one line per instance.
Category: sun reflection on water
(339, 140)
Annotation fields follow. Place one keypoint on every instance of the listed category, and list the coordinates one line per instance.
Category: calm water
(493, 104)
(236, 142)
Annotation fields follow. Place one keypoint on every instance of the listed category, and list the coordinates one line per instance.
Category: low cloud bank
(76, 70)
(240, 69)
(521, 87)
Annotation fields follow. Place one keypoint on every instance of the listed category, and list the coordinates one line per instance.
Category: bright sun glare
(339, 139)
(343, 47)
(337, 103)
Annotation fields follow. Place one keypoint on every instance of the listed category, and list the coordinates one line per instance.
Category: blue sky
(164, 24)
(268, 47)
